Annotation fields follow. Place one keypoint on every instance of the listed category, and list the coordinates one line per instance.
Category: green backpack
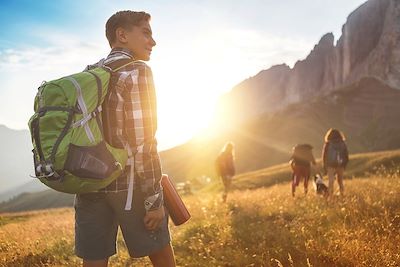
(69, 150)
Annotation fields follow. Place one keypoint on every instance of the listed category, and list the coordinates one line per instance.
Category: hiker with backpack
(335, 158)
(133, 201)
(301, 160)
(225, 167)
(93, 135)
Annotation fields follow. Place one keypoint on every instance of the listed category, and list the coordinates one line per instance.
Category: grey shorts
(97, 217)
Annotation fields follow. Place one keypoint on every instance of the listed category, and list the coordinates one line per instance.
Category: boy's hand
(153, 218)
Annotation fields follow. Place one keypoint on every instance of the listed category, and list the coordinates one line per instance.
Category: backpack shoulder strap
(119, 64)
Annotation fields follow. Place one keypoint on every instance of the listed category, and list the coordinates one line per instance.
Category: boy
(130, 122)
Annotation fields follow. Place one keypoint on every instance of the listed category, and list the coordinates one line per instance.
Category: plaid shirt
(130, 116)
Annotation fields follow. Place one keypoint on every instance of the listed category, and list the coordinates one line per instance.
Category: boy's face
(139, 40)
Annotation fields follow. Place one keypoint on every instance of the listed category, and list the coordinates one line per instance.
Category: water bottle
(173, 202)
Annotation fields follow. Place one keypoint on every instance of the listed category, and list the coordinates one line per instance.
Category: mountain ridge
(368, 47)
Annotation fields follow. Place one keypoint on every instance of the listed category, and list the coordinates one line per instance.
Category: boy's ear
(120, 34)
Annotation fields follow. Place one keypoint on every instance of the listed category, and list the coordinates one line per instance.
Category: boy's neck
(123, 49)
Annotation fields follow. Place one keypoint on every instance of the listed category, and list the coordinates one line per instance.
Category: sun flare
(187, 111)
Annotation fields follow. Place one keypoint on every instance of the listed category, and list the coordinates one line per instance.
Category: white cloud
(23, 70)
(190, 73)
(63, 56)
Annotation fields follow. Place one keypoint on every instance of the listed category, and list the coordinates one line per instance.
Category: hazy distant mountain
(196, 158)
(369, 47)
(35, 201)
(32, 186)
(16, 161)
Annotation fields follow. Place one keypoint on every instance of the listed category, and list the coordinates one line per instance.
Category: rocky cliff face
(369, 47)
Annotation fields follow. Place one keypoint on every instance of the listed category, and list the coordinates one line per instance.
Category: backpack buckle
(45, 169)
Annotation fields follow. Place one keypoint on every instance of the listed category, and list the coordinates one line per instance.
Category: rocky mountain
(369, 47)
(352, 85)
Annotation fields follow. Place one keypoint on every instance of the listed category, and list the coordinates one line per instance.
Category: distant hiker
(335, 158)
(129, 122)
(301, 160)
(225, 167)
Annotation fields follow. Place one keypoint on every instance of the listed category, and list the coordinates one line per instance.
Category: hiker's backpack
(225, 165)
(302, 154)
(335, 154)
(69, 150)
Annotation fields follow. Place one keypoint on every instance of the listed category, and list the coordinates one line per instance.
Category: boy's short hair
(124, 19)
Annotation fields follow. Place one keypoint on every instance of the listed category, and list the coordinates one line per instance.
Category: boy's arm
(140, 111)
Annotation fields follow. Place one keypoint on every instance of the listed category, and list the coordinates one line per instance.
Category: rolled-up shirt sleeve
(140, 115)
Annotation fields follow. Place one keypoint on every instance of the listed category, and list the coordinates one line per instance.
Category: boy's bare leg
(164, 257)
(97, 263)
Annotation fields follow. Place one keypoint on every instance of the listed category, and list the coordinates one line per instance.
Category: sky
(204, 48)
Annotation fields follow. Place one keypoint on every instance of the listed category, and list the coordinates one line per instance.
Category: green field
(260, 225)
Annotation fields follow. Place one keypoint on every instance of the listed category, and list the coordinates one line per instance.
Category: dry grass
(266, 227)
(261, 227)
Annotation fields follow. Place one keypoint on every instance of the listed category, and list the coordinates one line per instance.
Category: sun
(184, 113)
(190, 84)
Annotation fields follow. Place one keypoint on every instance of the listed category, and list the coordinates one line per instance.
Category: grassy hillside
(385, 163)
(366, 111)
(197, 157)
(364, 164)
(262, 226)
(39, 200)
